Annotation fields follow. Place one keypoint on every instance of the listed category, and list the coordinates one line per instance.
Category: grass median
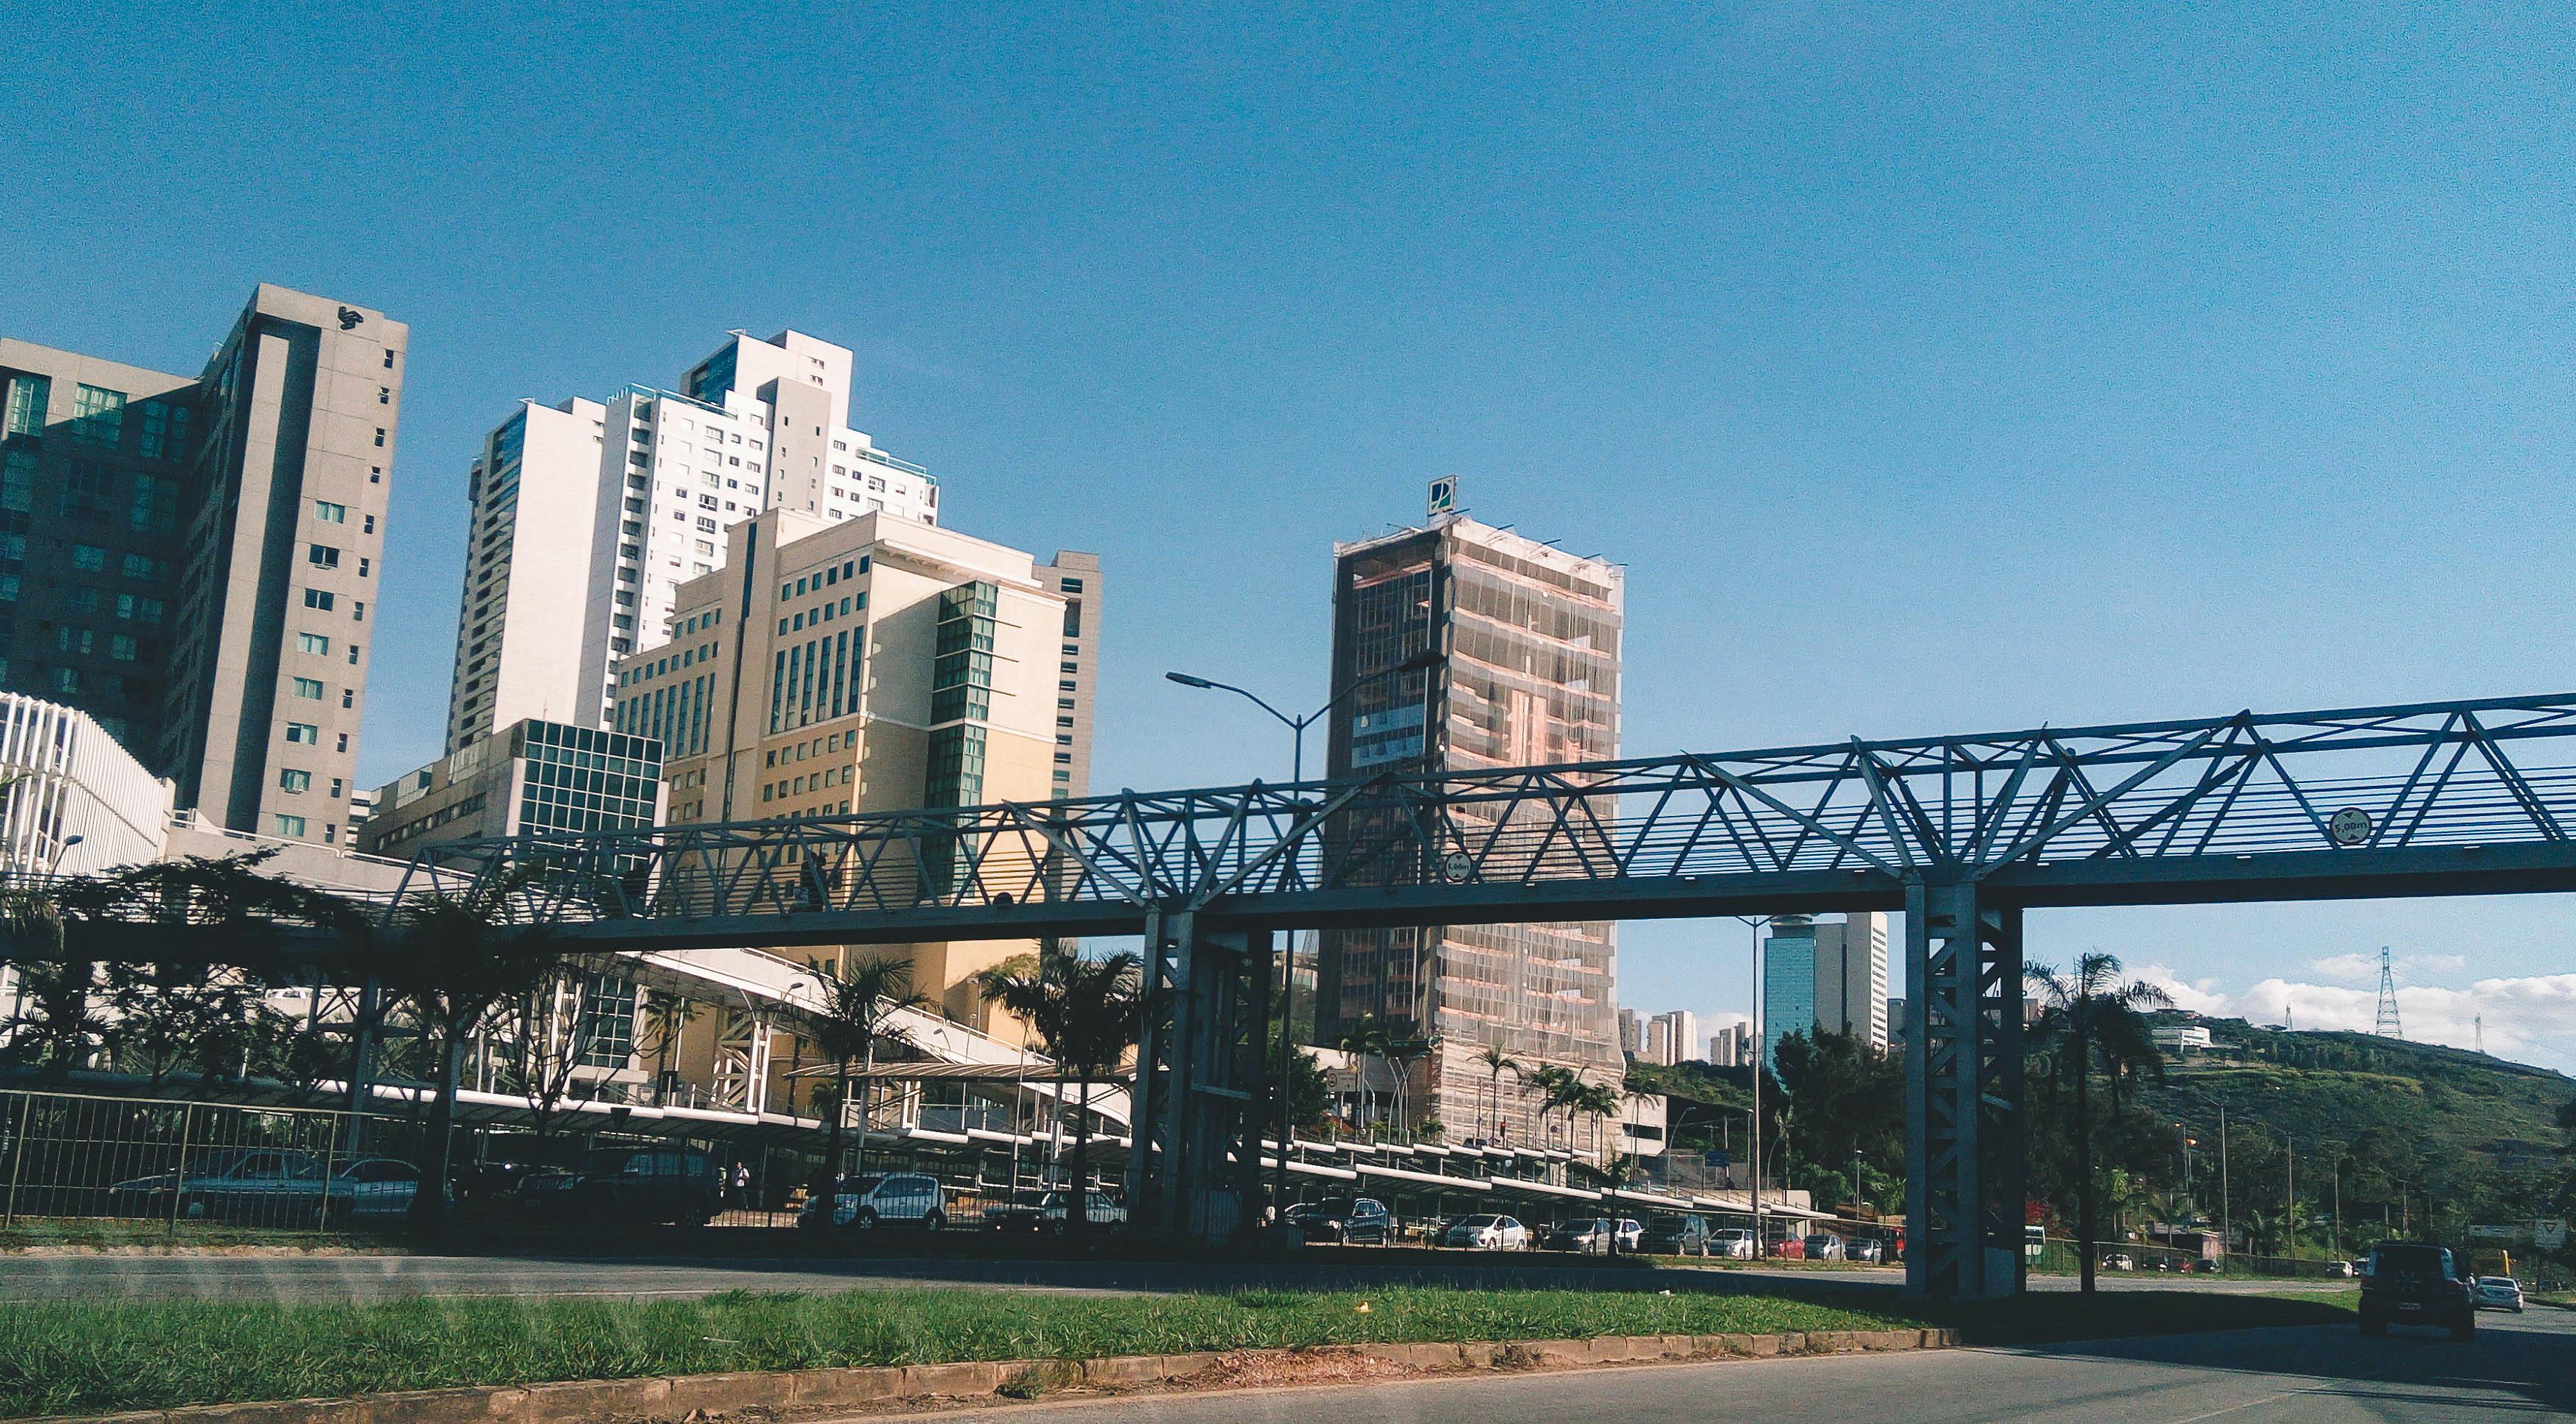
(63, 1358)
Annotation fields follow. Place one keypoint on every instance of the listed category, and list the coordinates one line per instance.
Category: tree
(2086, 1010)
(456, 957)
(164, 1019)
(666, 1018)
(554, 1032)
(1086, 1014)
(857, 1000)
(1849, 1099)
(1363, 1039)
(1497, 1062)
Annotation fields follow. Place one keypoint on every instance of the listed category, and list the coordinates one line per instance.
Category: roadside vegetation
(98, 1357)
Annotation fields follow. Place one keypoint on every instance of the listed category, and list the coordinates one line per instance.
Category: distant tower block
(2388, 1027)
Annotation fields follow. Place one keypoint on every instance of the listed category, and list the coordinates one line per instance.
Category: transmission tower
(2388, 1027)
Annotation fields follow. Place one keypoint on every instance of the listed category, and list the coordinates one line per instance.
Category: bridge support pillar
(1196, 1077)
(1965, 1187)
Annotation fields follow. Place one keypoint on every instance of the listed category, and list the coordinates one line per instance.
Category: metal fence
(154, 1160)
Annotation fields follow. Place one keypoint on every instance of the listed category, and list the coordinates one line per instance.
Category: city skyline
(2067, 424)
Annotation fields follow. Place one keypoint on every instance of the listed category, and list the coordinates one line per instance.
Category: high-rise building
(1632, 1039)
(1671, 1036)
(1732, 1046)
(531, 778)
(1825, 975)
(1527, 640)
(874, 664)
(191, 559)
(589, 515)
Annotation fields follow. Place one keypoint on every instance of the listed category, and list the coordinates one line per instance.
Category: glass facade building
(532, 778)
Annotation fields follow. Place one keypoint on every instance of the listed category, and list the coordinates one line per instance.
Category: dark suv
(630, 1184)
(2416, 1283)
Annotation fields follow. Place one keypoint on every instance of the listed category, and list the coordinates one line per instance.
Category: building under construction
(1527, 640)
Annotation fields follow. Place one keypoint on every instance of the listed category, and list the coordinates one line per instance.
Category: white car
(895, 1199)
(1632, 1235)
(1735, 1243)
(2499, 1293)
(1486, 1233)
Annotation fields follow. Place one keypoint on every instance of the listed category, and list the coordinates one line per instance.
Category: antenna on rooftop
(2481, 1022)
(2388, 1026)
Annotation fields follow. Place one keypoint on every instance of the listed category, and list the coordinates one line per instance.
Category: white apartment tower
(589, 515)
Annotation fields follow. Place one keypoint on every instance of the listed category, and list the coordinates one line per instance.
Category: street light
(1419, 662)
(1754, 1195)
(1297, 726)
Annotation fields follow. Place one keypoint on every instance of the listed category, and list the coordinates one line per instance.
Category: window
(318, 598)
(358, 610)
(18, 479)
(289, 825)
(165, 430)
(143, 566)
(304, 734)
(1072, 585)
(380, 437)
(322, 556)
(353, 655)
(294, 781)
(121, 647)
(371, 523)
(309, 687)
(329, 513)
(319, 643)
(28, 396)
(98, 415)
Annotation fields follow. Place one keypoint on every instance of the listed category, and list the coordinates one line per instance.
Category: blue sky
(2066, 366)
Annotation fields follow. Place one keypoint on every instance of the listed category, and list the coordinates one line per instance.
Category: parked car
(864, 1203)
(270, 1186)
(1867, 1248)
(2416, 1283)
(1791, 1247)
(1674, 1234)
(1049, 1212)
(2499, 1293)
(671, 1184)
(1589, 1235)
(1631, 1235)
(376, 1190)
(2341, 1270)
(1735, 1243)
(1486, 1232)
(1344, 1221)
(2119, 1261)
(1826, 1246)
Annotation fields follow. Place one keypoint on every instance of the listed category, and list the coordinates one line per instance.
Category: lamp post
(1419, 662)
(1760, 1051)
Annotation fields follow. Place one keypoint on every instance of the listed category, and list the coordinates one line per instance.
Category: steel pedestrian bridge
(1963, 833)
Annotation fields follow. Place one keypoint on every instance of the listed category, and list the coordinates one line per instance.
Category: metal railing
(75, 1155)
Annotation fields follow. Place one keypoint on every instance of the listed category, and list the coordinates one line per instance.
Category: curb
(680, 1396)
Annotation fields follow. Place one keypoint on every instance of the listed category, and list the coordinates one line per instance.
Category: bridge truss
(1963, 833)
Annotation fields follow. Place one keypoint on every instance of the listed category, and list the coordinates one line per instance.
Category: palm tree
(1559, 1088)
(856, 1001)
(1086, 1013)
(666, 1017)
(1363, 1039)
(2090, 1009)
(1497, 1062)
(457, 956)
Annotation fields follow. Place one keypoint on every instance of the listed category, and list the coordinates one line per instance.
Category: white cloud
(2201, 998)
(2530, 1019)
(2364, 968)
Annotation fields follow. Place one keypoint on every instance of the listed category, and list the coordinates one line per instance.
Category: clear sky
(2083, 363)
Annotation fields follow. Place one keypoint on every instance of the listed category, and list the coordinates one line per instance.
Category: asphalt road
(2520, 1367)
(366, 1278)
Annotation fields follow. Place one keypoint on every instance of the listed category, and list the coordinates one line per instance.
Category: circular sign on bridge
(1457, 866)
(2349, 826)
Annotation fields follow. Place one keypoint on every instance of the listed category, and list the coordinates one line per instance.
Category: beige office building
(193, 560)
(873, 664)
